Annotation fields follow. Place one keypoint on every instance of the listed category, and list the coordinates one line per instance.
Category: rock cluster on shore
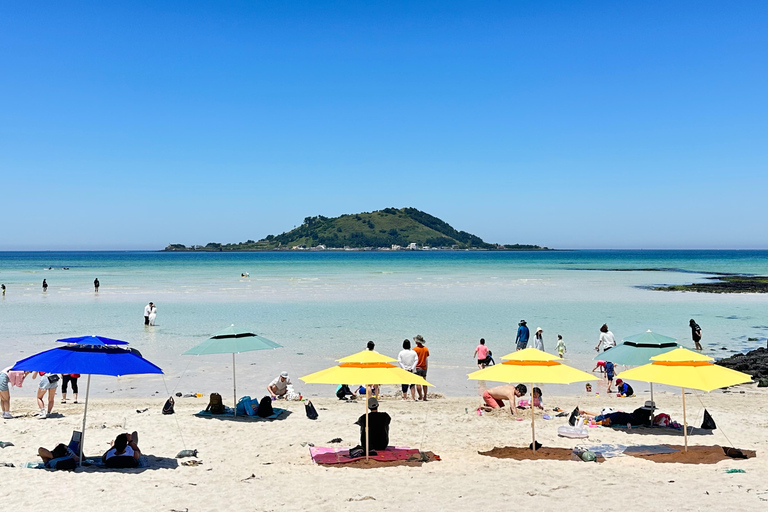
(755, 363)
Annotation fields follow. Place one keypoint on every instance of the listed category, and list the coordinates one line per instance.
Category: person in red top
(66, 379)
(421, 364)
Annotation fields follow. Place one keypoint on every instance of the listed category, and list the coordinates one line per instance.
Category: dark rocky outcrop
(755, 363)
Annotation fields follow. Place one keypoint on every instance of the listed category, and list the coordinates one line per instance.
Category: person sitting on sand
(343, 391)
(124, 453)
(624, 389)
(494, 397)
(378, 427)
(60, 451)
(537, 402)
(279, 387)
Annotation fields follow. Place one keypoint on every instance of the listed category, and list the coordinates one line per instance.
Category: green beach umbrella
(639, 349)
(232, 341)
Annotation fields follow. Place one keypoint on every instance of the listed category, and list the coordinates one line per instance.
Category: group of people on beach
(523, 335)
(48, 384)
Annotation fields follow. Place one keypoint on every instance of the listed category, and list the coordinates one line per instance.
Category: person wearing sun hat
(421, 364)
(538, 341)
(522, 335)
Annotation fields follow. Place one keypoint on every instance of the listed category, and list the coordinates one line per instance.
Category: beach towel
(331, 455)
(229, 413)
(88, 461)
(650, 449)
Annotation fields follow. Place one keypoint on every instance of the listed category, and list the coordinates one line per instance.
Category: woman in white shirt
(407, 359)
(607, 340)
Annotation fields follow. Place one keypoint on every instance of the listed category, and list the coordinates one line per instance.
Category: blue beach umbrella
(88, 355)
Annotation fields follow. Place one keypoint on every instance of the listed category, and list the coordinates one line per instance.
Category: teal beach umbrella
(639, 349)
(232, 341)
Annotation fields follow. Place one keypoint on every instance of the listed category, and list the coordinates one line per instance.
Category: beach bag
(246, 406)
(311, 411)
(215, 404)
(708, 423)
(168, 407)
(356, 452)
(52, 377)
(265, 407)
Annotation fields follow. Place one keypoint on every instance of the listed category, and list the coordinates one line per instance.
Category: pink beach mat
(329, 455)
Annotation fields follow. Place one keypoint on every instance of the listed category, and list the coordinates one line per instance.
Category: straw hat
(419, 339)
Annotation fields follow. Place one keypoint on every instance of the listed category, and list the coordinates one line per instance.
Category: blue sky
(131, 125)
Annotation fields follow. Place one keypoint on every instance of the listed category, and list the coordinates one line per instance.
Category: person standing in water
(96, 285)
(521, 340)
(695, 333)
(45, 285)
(3, 286)
(538, 340)
(152, 315)
(147, 312)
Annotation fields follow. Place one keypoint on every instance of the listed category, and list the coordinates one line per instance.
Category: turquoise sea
(324, 305)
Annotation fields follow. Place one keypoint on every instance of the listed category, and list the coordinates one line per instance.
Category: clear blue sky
(131, 125)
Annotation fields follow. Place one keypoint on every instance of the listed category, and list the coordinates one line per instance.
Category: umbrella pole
(652, 392)
(685, 423)
(85, 415)
(234, 384)
(367, 395)
(533, 425)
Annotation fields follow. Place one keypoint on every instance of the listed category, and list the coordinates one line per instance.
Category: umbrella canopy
(92, 340)
(88, 360)
(102, 356)
(531, 365)
(232, 341)
(638, 349)
(367, 356)
(366, 367)
(686, 369)
(364, 373)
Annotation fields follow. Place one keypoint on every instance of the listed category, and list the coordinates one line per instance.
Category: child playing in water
(560, 346)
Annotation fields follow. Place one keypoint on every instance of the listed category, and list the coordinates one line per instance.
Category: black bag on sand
(215, 404)
(708, 422)
(168, 407)
(312, 412)
(538, 446)
(265, 407)
(359, 451)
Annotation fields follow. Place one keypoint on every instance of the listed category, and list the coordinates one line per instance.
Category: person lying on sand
(641, 417)
(494, 397)
(61, 450)
(124, 453)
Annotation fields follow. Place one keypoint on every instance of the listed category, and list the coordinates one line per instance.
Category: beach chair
(74, 443)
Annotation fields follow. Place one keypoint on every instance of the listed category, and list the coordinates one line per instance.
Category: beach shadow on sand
(694, 455)
(153, 463)
(543, 453)
(244, 419)
(663, 431)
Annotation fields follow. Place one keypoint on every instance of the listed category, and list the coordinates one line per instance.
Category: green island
(722, 284)
(387, 229)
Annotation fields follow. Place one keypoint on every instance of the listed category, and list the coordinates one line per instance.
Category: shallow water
(324, 305)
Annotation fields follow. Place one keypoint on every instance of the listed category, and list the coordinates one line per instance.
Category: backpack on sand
(312, 412)
(215, 404)
(168, 407)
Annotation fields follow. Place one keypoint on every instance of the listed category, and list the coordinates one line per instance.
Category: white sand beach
(267, 465)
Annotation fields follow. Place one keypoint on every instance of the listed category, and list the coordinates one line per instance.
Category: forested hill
(388, 228)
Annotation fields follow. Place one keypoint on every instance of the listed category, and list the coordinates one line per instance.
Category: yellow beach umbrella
(367, 356)
(531, 365)
(686, 369)
(374, 368)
